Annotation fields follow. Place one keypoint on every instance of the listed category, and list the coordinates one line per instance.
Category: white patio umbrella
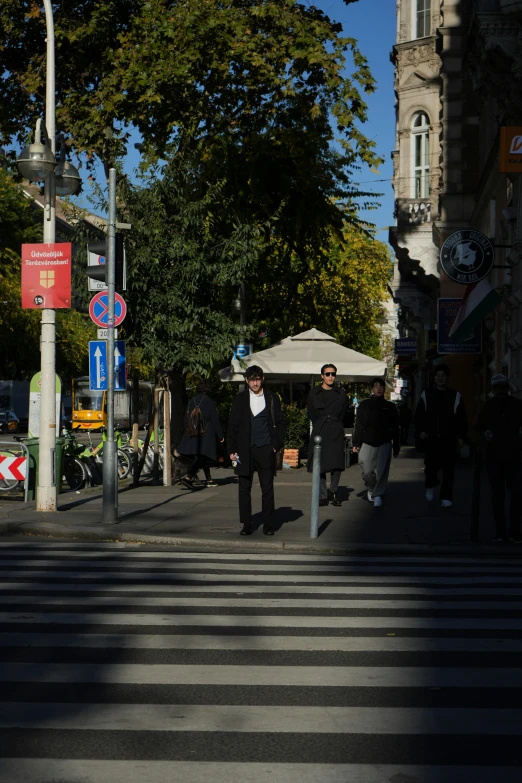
(300, 357)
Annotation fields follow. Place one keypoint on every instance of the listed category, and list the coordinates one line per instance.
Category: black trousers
(262, 463)
(440, 455)
(199, 462)
(506, 477)
(335, 475)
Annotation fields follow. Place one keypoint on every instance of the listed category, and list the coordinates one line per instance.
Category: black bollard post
(475, 495)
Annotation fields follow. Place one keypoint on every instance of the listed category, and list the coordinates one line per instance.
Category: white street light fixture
(68, 181)
(36, 161)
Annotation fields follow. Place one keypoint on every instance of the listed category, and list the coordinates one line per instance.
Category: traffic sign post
(108, 319)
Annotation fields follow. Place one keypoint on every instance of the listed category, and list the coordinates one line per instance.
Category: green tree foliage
(186, 257)
(21, 223)
(341, 293)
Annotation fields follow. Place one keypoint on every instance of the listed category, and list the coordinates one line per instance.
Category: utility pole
(110, 479)
(47, 479)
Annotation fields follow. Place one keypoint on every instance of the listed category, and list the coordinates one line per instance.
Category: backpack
(196, 426)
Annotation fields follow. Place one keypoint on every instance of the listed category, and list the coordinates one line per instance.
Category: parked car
(9, 422)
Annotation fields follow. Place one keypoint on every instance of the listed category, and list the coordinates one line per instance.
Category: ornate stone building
(458, 80)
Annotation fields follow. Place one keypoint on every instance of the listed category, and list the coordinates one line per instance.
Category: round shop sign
(467, 256)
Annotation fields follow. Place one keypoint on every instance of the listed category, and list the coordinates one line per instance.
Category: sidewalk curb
(52, 530)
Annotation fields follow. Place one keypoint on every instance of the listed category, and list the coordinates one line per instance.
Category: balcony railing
(412, 211)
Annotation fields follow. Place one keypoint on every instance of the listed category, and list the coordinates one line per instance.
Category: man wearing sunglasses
(327, 406)
(256, 430)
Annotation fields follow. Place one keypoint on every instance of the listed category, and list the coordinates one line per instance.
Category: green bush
(297, 426)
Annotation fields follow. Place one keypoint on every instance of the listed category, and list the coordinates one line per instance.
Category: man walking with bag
(376, 435)
(202, 428)
(256, 430)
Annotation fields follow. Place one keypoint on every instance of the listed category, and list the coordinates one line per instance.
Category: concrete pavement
(209, 516)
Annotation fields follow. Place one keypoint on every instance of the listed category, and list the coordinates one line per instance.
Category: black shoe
(187, 482)
(499, 540)
(336, 501)
(246, 531)
(267, 531)
(323, 502)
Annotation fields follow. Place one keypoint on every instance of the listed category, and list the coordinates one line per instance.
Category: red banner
(46, 275)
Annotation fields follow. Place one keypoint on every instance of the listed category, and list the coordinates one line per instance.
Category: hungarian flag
(479, 300)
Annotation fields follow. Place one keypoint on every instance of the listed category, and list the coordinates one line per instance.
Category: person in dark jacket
(376, 435)
(500, 425)
(203, 447)
(326, 407)
(256, 430)
(440, 424)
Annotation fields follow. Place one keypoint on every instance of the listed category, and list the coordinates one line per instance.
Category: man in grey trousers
(375, 437)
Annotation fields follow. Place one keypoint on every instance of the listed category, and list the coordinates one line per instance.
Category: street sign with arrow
(98, 365)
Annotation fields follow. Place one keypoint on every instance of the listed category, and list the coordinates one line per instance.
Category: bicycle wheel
(74, 472)
(124, 465)
(7, 484)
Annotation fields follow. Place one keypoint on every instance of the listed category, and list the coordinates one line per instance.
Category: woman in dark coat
(327, 405)
(203, 447)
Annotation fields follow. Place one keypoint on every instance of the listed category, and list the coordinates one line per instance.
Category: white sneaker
(377, 501)
(430, 494)
(446, 503)
(370, 496)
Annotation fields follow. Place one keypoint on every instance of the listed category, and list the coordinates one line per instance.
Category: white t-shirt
(257, 402)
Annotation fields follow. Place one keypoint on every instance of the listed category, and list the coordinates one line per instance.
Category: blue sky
(372, 23)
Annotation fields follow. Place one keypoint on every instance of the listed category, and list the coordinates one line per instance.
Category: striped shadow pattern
(120, 664)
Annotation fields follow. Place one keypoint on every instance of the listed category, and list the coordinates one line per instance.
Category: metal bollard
(316, 487)
(475, 495)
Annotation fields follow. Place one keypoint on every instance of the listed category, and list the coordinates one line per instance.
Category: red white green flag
(479, 300)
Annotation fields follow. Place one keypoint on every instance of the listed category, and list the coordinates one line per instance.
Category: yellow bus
(89, 408)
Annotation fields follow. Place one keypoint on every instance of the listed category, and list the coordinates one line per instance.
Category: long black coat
(326, 409)
(240, 428)
(204, 444)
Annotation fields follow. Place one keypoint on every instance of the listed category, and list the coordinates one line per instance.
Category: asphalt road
(126, 664)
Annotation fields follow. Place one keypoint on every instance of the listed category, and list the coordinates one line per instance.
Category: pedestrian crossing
(121, 665)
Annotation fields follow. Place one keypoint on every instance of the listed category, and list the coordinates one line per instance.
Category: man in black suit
(256, 430)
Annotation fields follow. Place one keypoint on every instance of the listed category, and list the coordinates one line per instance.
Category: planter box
(291, 457)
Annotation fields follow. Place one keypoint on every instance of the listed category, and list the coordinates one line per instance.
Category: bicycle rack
(16, 445)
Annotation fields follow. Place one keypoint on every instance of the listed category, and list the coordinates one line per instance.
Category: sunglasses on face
(330, 373)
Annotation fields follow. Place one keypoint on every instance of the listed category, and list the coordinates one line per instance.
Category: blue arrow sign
(120, 369)
(98, 365)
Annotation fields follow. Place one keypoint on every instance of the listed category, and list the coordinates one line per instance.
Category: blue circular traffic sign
(99, 309)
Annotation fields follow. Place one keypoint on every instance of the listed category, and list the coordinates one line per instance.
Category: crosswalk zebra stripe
(248, 567)
(259, 643)
(260, 621)
(260, 668)
(412, 603)
(95, 771)
(248, 719)
(319, 676)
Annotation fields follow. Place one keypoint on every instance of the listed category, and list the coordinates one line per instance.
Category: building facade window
(422, 21)
(420, 139)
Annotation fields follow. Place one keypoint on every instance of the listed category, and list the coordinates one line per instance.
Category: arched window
(421, 21)
(420, 140)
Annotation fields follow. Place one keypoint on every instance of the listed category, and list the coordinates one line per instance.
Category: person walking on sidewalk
(326, 407)
(256, 430)
(440, 424)
(202, 429)
(375, 437)
(500, 425)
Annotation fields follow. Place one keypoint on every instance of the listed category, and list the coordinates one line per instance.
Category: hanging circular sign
(467, 256)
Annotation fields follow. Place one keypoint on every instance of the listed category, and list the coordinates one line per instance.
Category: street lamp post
(37, 162)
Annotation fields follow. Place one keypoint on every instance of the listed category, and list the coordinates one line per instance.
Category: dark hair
(441, 368)
(325, 367)
(380, 381)
(204, 387)
(254, 372)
